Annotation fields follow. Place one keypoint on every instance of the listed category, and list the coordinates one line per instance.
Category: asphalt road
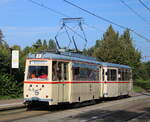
(134, 109)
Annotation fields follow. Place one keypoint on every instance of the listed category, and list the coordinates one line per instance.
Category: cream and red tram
(69, 77)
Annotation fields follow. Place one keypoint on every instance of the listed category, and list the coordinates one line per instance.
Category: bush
(9, 86)
(145, 84)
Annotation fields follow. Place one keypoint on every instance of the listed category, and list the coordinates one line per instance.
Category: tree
(38, 44)
(88, 52)
(108, 49)
(118, 49)
(51, 44)
(36, 47)
(9, 86)
(4, 55)
(132, 55)
(143, 73)
(1, 36)
(16, 47)
(4, 58)
(148, 68)
(44, 44)
(27, 50)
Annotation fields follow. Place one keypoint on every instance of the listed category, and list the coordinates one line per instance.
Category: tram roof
(75, 57)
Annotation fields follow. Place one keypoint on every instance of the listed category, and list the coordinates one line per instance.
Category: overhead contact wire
(106, 20)
(144, 5)
(136, 13)
(52, 10)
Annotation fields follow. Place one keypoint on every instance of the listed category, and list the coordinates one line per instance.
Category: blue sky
(23, 22)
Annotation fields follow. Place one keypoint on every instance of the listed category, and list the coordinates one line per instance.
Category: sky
(23, 22)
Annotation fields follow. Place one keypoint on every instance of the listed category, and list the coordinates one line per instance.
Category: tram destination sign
(38, 62)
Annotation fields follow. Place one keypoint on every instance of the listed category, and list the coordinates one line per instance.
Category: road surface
(133, 109)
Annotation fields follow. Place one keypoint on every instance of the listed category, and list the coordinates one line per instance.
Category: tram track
(14, 114)
(23, 113)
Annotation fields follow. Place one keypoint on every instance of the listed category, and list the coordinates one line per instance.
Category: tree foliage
(51, 45)
(9, 86)
(4, 57)
(1, 37)
(115, 48)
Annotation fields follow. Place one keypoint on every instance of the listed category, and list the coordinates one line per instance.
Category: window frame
(85, 72)
(37, 79)
(62, 71)
(125, 74)
(109, 72)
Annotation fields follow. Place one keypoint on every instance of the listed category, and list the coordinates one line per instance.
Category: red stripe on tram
(37, 82)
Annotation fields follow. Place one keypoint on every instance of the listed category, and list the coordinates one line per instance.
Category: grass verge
(9, 97)
(144, 84)
(137, 88)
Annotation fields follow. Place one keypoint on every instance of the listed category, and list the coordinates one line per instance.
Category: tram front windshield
(37, 73)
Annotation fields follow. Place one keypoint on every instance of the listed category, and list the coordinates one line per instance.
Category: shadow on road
(110, 116)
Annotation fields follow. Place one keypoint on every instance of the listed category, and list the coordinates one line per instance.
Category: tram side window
(76, 73)
(130, 74)
(124, 74)
(111, 75)
(56, 71)
(59, 71)
(84, 74)
(127, 75)
(103, 74)
(119, 74)
(38, 72)
(66, 77)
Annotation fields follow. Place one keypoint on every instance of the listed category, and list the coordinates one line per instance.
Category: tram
(66, 77)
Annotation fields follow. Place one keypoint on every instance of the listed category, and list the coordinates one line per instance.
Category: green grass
(5, 97)
(9, 97)
(137, 88)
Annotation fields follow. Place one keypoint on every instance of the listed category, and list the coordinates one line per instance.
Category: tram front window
(38, 73)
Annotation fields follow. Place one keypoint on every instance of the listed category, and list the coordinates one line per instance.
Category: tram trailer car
(66, 77)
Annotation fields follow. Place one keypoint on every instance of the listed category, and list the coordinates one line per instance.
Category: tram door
(63, 87)
(102, 79)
